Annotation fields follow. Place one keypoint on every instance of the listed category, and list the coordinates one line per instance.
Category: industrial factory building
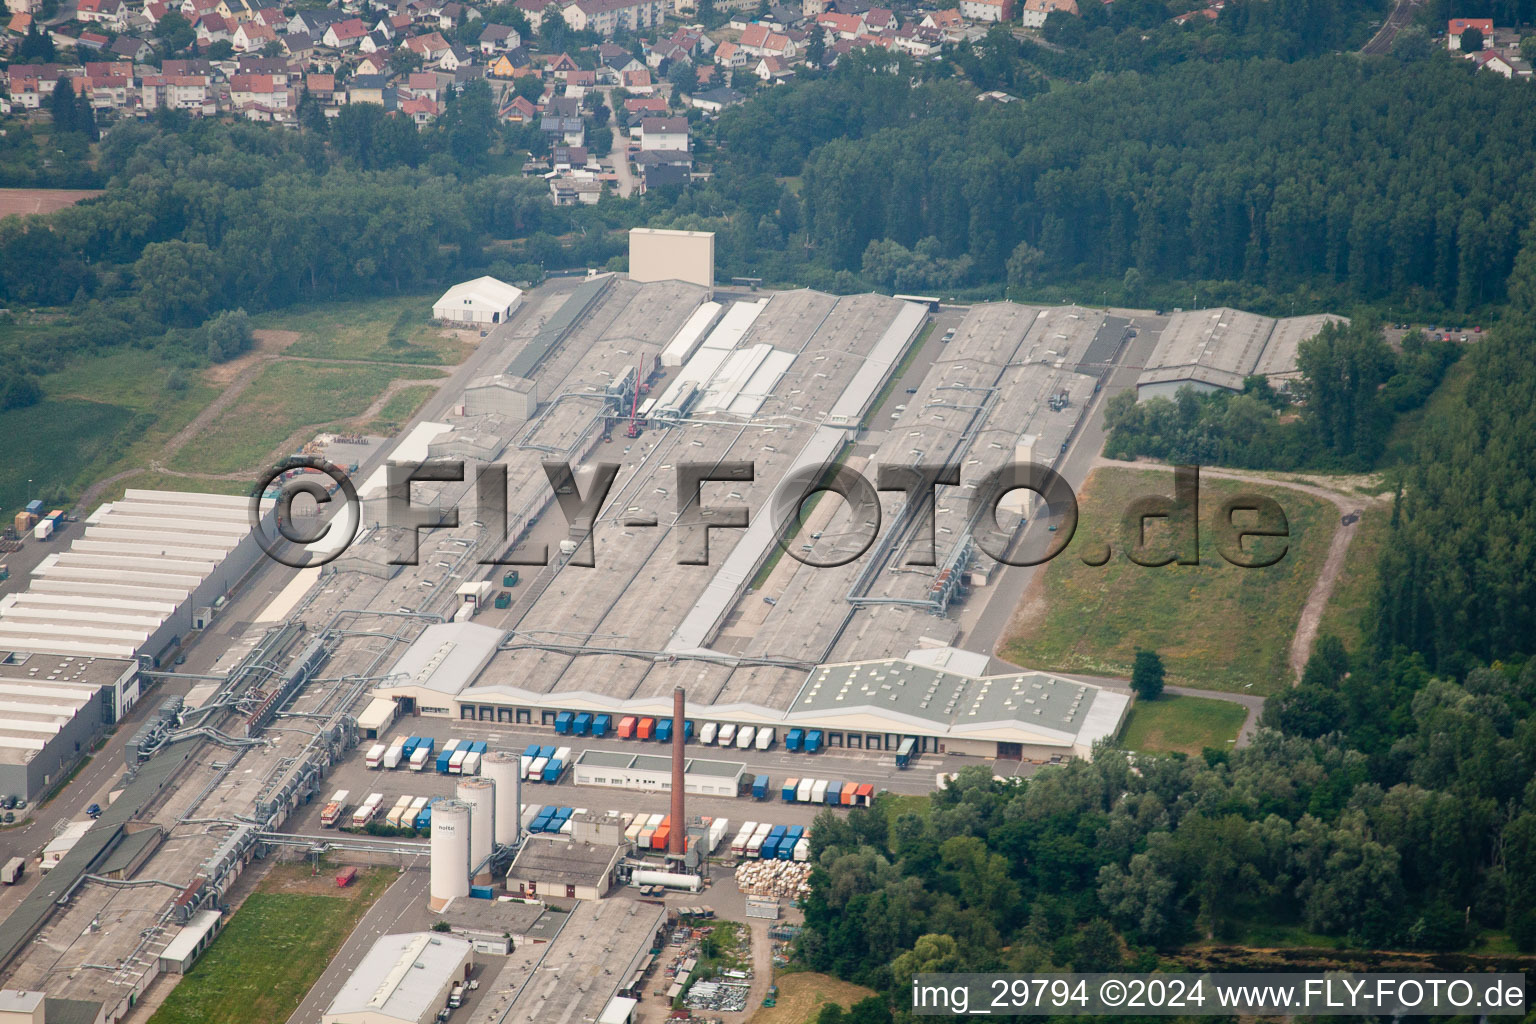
(147, 571)
(403, 979)
(1216, 349)
(483, 301)
(52, 708)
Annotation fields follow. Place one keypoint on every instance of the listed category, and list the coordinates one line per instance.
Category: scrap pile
(778, 878)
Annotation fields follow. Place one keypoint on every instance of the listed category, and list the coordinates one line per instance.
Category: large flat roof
(598, 951)
(138, 559)
(1222, 346)
(401, 975)
(563, 860)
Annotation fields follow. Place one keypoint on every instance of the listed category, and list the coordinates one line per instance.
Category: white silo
(503, 767)
(480, 794)
(451, 834)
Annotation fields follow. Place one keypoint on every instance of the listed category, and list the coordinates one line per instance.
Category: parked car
(94, 810)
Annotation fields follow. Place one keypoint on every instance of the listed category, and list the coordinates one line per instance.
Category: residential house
(570, 191)
(1492, 60)
(429, 47)
(918, 41)
(193, 66)
(562, 119)
(455, 57)
(424, 85)
(344, 35)
(715, 100)
(261, 98)
(211, 28)
(92, 41)
(374, 41)
(393, 26)
(322, 89)
(315, 22)
(516, 109)
(369, 89)
(761, 41)
(580, 80)
(513, 64)
(376, 63)
(499, 39)
(643, 105)
(987, 10)
(421, 110)
(947, 21)
(252, 36)
(729, 55)
(561, 66)
(772, 69)
(236, 12)
(1035, 12)
(663, 176)
(840, 26)
(191, 93)
(664, 133)
(298, 46)
(1457, 26)
(32, 84)
(20, 23)
(131, 48)
(111, 13)
(568, 158)
(108, 92)
(639, 82)
(605, 17)
(23, 7)
(535, 10)
(879, 19)
(454, 14)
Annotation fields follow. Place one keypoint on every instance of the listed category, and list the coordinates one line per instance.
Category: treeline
(1336, 416)
(1363, 179)
(201, 217)
(1459, 574)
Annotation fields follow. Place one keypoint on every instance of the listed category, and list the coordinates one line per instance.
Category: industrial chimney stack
(679, 823)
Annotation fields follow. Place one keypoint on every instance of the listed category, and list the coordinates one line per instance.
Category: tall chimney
(679, 823)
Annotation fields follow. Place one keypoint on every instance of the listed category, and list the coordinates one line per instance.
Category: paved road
(990, 628)
(619, 155)
(396, 911)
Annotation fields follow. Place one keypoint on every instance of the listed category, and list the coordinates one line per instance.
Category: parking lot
(875, 767)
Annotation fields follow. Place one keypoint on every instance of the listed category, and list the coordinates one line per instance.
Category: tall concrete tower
(679, 823)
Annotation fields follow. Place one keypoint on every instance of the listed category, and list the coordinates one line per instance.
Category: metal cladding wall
(503, 768)
(480, 794)
(450, 852)
(660, 255)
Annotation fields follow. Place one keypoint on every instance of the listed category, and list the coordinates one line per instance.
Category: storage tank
(450, 852)
(503, 768)
(480, 794)
(688, 883)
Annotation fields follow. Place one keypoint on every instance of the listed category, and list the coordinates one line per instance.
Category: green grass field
(1216, 626)
(389, 330)
(269, 955)
(1184, 725)
(397, 412)
(286, 397)
(102, 414)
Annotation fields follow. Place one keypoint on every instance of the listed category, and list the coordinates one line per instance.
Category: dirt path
(395, 386)
(1346, 501)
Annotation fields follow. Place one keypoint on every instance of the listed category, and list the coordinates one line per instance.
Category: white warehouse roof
(401, 978)
(483, 292)
(137, 562)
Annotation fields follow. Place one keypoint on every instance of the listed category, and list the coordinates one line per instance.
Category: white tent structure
(484, 300)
